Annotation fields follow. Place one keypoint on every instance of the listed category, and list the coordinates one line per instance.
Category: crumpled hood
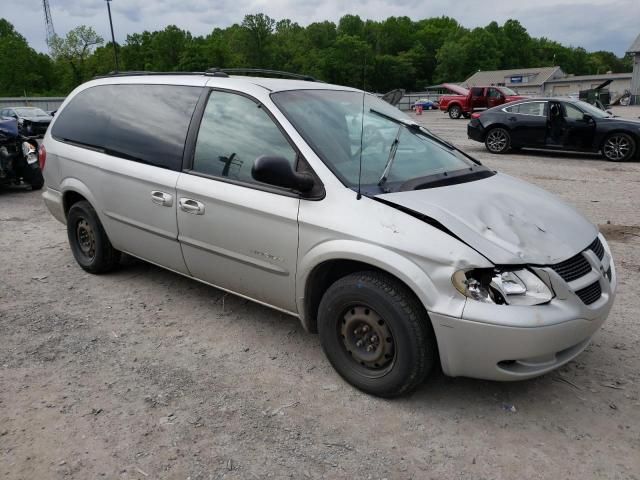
(38, 119)
(507, 220)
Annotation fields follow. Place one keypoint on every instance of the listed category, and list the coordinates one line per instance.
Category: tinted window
(529, 108)
(234, 132)
(477, 92)
(573, 112)
(145, 123)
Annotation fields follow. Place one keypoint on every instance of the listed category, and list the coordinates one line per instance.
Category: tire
(466, 115)
(455, 112)
(619, 147)
(399, 334)
(497, 140)
(88, 241)
(35, 179)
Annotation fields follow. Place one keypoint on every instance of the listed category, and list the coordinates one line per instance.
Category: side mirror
(609, 112)
(587, 118)
(278, 171)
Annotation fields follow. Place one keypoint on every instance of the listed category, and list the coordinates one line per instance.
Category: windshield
(508, 91)
(591, 110)
(394, 149)
(30, 112)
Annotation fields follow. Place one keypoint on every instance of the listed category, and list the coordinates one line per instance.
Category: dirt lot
(146, 374)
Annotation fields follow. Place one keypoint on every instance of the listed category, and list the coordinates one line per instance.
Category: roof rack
(215, 72)
(135, 73)
(261, 71)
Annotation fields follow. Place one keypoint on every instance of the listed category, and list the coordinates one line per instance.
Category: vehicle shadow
(438, 394)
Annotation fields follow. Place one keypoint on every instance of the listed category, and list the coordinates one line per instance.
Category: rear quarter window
(144, 123)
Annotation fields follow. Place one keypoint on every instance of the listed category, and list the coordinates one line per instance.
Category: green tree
(22, 69)
(258, 31)
(74, 49)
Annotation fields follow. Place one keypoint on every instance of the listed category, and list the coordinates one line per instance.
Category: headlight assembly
(502, 287)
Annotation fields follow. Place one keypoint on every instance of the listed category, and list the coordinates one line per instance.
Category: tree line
(377, 55)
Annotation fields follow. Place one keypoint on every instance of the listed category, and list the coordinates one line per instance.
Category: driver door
(579, 132)
(235, 233)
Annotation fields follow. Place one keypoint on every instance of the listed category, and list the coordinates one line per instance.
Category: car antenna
(364, 69)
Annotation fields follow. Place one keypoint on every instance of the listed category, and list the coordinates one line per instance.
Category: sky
(592, 24)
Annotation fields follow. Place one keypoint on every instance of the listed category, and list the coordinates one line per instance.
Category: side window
(235, 131)
(493, 93)
(533, 108)
(142, 123)
(476, 91)
(573, 112)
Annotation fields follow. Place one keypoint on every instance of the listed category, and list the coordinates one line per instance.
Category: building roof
(635, 46)
(586, 78)
(537, 76)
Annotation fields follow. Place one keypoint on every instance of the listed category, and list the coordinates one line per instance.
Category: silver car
(330, 205)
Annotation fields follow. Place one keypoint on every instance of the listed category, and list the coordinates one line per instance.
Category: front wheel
(497, 140)
(376, 334)
(88, 240)
(619, 147)
(455, 112)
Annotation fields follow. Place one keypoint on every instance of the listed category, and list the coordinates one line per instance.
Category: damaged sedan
(328, 204)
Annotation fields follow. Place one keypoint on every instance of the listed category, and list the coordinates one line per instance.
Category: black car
(32, 121)
(556, 124)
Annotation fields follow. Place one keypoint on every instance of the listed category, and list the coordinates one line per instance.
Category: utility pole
(113, 37)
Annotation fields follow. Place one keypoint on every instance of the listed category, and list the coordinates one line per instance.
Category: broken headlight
(502, 287)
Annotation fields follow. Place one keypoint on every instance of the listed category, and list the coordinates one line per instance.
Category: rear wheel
(497, 140)
(376, 334)
(455, 112)
(619, 147)
(88, 240)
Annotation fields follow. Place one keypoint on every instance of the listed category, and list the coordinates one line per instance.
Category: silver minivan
(328, 204)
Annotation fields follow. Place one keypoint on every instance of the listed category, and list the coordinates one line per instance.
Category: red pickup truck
(465, 101)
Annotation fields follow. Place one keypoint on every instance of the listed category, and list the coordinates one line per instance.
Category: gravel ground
(146, 374)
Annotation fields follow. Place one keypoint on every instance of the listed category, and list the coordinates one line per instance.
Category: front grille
(576, 267)
(590, 294)
(597, 248)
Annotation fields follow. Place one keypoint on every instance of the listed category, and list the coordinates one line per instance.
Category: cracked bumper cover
(502, 342)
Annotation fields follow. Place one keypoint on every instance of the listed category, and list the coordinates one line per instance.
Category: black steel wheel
(497, 140)
(455, 112)
(88, 241)
(619, 147)
(376, 334)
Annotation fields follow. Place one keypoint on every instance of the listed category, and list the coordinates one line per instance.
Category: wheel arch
(73, 191)
(494, 126)
(322, 268)
(634, 135)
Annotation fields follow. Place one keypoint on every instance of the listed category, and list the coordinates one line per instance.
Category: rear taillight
(42, 156)
(475, 115)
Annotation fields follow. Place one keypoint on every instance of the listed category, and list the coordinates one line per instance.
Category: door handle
(161, 198)
(193, 207)
(513, 119)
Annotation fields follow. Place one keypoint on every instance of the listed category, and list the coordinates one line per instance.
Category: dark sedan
(32, 121)
(556, 124)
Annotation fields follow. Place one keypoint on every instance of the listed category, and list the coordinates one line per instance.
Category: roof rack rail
(135, 73)
(214, 72)
(262, 71)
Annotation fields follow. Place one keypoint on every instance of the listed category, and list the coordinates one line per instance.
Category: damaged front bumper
(508, 342)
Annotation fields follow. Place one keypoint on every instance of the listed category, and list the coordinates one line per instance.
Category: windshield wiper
(392, 156)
